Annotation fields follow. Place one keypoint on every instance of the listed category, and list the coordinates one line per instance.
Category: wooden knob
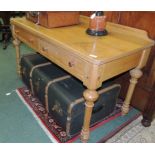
(70, 63)
(16, 31)
(44, 49)
(31, 40)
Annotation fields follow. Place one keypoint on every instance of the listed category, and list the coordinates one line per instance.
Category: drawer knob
(44, 49)
(71, 64)
(31, 40)
(16, 31)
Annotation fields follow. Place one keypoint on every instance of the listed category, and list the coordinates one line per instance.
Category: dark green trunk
(62, 95)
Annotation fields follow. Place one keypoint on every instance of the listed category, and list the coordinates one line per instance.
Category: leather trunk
(51, 19)
(62, 94)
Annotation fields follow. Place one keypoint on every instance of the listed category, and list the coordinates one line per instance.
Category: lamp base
(96, 33)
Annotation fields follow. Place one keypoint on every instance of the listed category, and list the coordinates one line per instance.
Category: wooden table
(90, 59)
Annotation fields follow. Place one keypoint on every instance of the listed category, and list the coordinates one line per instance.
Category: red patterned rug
(57, 134)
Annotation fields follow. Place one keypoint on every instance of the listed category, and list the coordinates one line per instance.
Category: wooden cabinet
(144, 96)
(149, 108)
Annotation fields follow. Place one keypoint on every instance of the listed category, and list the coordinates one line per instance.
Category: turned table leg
(16, 43)
(90, 96)
(135, 75)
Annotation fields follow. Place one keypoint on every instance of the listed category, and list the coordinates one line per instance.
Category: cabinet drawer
(27, 37)
(64, 59)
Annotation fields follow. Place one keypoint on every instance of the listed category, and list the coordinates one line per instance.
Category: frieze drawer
(27, 37)
(63, 58)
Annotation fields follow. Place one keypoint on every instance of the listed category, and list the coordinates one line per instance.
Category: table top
(120, 41)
